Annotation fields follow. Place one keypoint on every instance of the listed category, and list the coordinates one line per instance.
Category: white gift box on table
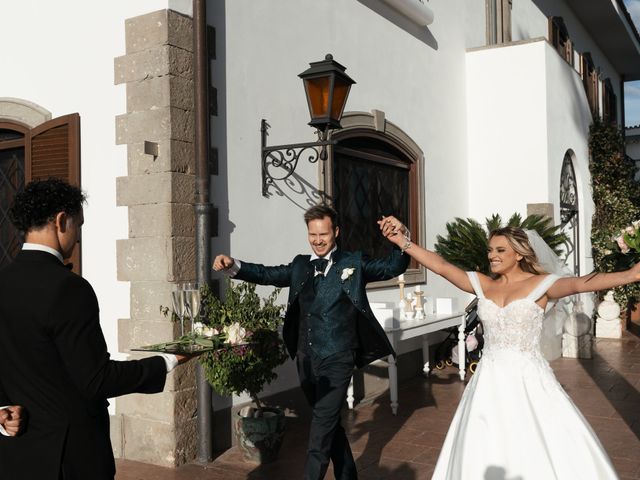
(383, 313)
(444, 305)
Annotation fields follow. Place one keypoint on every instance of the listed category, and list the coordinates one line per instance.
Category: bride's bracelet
(407, 237)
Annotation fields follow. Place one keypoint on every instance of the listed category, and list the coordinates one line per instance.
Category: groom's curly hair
(42, 200)
(320, 211)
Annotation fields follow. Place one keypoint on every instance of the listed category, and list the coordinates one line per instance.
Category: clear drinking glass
(192, 302)
(179, 304)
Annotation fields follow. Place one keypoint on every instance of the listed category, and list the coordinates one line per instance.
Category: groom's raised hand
(223, 262)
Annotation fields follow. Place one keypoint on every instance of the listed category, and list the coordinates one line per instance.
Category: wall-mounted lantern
(327, 88)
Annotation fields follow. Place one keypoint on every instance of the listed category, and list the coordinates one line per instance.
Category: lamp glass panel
(318, 96)
(340, 92)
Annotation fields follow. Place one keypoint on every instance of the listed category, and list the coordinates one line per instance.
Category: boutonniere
(346, 273)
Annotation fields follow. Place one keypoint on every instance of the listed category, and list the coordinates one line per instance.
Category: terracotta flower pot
(260, 438)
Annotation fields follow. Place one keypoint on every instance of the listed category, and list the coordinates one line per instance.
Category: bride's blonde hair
(519, 241)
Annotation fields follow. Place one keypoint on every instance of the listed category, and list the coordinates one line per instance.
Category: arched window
(569, 212)
(374, 172)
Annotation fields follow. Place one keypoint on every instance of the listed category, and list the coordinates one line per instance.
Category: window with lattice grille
(372, 178)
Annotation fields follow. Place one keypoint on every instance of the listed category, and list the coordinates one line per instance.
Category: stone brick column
(160, 251)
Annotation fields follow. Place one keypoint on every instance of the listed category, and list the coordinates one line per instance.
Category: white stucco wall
(418, 81)
(506, 128)
(526, 109)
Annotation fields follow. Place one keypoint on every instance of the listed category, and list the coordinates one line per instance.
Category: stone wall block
(158, 28)
(142, 259)
(147, 297)
(135, 333)
(544, 209)
(166, 91)
(154, 62)
(181, 406)
(155, 188)
(183, 377)
(173, 156)
(183, 252)
(162, 219)
(116, 434)
(170, 259)
(155, 125)
(159, 443)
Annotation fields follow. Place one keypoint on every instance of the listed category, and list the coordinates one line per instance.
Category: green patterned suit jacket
(337, 286)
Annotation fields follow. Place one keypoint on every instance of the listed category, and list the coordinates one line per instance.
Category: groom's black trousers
(325, 383)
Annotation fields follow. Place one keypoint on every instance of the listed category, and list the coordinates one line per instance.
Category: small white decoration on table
(383, 313)
(428, 306)
(408, 308)
(419, 312)
(402, 304)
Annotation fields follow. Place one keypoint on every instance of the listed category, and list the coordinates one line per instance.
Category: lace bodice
(516, 326)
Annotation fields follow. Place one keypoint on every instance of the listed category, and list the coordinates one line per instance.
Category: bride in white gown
(514, 421)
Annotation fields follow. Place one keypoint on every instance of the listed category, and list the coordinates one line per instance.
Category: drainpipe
(622, 111)
(203, 208)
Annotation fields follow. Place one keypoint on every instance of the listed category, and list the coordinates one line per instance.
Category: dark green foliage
(616, 196)
(244, 368)
(467, 240)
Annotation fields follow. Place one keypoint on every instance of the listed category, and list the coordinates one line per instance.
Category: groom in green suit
(328, 329)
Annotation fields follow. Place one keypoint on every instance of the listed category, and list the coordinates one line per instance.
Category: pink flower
(630, 230)
(621, 243)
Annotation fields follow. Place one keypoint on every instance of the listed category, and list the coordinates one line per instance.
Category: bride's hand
(392, 228)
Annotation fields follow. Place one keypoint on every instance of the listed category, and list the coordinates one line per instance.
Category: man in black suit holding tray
(54, 362)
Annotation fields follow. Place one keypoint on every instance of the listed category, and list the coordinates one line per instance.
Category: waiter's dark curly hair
(41, 200)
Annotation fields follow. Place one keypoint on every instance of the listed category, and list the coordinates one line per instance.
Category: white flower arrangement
(235, 334)
(204, 330)
(346, 273)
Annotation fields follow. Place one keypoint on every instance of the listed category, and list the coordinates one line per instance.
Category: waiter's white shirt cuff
(170, 360)
(2, 430)
(233, 270)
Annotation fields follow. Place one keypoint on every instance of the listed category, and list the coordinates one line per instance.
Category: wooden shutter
(590, 82)
(53, 150)
(609, 106)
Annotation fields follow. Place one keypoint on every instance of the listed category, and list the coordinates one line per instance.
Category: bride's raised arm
(393, 230)
(593, 282)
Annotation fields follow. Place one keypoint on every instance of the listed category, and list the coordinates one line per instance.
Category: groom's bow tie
(320, 265)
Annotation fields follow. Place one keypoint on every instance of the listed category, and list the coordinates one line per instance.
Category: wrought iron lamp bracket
(286, 157)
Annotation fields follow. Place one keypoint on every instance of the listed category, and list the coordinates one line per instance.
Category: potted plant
(250, 328)
(616, 198)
